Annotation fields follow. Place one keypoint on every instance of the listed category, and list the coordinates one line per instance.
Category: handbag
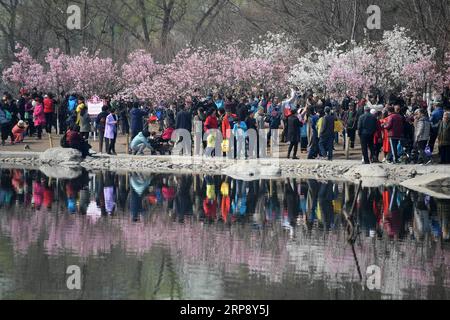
(225, 145)
(428, 151)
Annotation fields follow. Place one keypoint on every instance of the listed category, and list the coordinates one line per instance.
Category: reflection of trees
(156, 252)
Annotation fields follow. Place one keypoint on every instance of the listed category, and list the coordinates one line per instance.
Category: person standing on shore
(367, 126)
(377, 137)
(351, 123)
(81, 106)
(136, 120)
(85, 123)
(394, 125)
(48, 111)
(28, 116)
(111, 132)
(39, 117)
(5, 124)
(422, 134)
(184, 116)
(327, 134)
(436, 118)
(293, 133)
(101, 125)
(444, 139)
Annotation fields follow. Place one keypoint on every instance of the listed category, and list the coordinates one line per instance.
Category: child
(19, 131)
(211, 145)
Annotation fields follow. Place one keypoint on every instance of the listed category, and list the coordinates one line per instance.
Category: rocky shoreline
(60, 161)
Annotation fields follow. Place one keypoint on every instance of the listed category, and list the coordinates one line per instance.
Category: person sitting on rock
(75, 140)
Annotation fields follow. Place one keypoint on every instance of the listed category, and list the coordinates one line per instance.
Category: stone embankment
(67, 163)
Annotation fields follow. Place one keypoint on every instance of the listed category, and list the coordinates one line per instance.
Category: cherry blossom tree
(399, 55)
(419, 74)
(93, 75)
(447, 71)
(351, 72)
(59, 72)
(25, 72)
(312, 69)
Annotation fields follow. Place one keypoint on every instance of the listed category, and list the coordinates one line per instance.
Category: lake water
(204, 237)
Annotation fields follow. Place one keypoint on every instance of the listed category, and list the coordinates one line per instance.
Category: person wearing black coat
(293, 134)
(184, 120)
(367, 126)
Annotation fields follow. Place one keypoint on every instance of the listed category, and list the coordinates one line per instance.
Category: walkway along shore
(64, 163)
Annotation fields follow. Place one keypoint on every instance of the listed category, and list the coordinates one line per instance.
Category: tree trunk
(166, 24)
(144, 23)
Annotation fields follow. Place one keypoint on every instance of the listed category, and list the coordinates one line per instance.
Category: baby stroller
(162, 144)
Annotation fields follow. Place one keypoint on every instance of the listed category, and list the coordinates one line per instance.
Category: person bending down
(140, 143)
(19, 131)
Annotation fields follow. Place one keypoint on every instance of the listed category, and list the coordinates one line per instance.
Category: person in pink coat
(39, 117)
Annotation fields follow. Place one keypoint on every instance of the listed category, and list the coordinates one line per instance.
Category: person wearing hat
(367, 127)
(19, 131)
(153, 125)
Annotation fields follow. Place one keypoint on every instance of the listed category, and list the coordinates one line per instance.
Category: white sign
(95, 105)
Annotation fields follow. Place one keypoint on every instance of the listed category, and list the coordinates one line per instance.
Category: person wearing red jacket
(211, 122)
(75, 140)
(395, 127)
(48, 111)
(377, 137)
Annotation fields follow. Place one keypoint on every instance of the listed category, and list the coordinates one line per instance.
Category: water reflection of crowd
(295, 204)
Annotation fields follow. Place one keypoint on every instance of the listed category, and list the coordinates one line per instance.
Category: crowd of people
(401, 129)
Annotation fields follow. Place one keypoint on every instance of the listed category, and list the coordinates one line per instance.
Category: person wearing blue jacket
(140, 142)
(436, 117)
(137, 120)
(72, 103)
